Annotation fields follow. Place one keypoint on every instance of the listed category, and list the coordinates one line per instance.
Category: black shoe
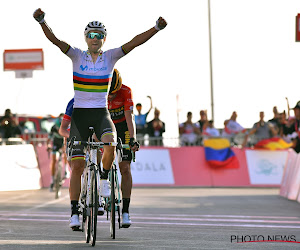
(51, 188)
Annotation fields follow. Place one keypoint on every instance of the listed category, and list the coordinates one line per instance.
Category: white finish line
(175, 221)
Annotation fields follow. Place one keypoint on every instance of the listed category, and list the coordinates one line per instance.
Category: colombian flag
(219, 154)
(273, 144)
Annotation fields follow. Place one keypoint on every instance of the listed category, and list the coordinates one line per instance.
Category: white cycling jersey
(92, 80)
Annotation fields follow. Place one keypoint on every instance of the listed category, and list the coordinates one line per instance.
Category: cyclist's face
(94, 44)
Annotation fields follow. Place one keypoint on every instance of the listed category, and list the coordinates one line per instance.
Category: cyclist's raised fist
(160, 24)
(39, 15)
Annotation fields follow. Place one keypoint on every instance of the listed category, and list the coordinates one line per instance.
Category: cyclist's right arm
(39, 17)
(64, 128)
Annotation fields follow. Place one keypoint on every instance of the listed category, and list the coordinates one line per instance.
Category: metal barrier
(12, 141)
(235, 140)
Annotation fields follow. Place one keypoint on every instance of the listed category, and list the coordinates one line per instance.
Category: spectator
(140, 122)
(262, 130)
(293, 131)
(7, 125)
(209, 130)
(283, 124)
(203, 119)
(276, 118)
(232, 127)
(189, 132)
(155, 129)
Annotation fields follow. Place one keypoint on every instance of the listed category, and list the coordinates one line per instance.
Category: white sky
(255, 56)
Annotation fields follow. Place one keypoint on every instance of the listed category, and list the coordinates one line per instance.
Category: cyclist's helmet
(95, 25)
(116, 82)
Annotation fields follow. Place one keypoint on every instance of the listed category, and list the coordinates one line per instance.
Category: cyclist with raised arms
(120, 106)
(92, 74)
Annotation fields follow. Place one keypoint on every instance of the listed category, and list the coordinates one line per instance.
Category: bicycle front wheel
(112, 205)
(86, 221)
(94, 208)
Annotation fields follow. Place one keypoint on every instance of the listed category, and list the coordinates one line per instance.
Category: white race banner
(19, 168)
(152, 166)
(265, 167)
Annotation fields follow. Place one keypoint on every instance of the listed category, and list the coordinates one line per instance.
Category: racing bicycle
(113, 203)
(90, 200)
(58, 180)
(58, 177)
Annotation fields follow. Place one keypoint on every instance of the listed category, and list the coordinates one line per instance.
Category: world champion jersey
(92, 80)
(122, 102)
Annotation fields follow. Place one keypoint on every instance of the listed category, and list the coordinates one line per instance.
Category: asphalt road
(163, 218)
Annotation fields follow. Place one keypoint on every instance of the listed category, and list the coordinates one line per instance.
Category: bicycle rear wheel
(94, 207)
(58, 179)
(86, 224)
(112, 205)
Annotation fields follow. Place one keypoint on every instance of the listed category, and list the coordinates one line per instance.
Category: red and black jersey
(122, 102)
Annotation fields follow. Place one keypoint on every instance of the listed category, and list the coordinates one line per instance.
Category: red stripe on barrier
(189, 167)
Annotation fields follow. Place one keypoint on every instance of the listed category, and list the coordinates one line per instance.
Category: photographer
(7, 125)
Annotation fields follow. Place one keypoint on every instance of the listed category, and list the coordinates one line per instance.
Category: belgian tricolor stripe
(89, 83)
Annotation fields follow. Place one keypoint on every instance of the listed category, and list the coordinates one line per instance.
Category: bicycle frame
(91, 177)
(112, 204)
(91, 165)
(89, 199)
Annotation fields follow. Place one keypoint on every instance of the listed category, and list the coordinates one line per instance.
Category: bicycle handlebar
(96, 144)
(118, 144)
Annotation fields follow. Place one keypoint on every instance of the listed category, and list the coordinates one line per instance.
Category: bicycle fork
(93, 156)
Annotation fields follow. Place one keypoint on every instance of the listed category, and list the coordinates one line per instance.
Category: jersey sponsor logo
(127, 138)
(117, 113)
(86, 68)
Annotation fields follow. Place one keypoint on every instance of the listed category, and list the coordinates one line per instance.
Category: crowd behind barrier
(282, 125)
(41, 139)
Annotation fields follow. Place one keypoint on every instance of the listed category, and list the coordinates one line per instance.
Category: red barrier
(290, 184)
(44, 165)
(294, 181)
(186, 166)
(191, 169)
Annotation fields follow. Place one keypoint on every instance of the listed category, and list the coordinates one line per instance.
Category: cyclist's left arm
(131, 128)
(130, 123)
(144, 37)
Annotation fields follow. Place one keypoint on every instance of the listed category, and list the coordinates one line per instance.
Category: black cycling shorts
(57, 144)
(123, 133)
(82, 119)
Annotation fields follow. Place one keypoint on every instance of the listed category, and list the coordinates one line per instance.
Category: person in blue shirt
(141, 122)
